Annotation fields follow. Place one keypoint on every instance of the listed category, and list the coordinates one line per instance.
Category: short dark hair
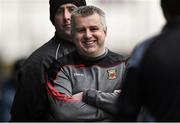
(85, 11)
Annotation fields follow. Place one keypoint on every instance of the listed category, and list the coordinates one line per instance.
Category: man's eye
(80, 30)
(94, 29)
(59, 11)
(71, 9)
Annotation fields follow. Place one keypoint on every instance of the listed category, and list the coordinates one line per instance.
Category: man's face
(89, 35)
(62, 20)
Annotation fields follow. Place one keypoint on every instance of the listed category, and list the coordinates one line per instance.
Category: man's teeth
(89, 42)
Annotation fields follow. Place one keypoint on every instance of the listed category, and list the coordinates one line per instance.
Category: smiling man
(84, 85)
(89, 33)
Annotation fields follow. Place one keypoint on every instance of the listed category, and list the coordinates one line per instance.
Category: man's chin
(67, 32)
(67, 29)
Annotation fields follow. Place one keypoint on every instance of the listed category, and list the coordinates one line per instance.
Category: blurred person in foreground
(152, 78)
(85, 84)
(31, 102)
(8, 91)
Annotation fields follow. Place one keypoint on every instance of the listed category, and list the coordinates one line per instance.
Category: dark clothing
(31, 102)
(152, 78)
(96, 77)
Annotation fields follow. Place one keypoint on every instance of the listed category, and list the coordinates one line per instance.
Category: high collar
(171, 24)
(95, 58)
(61, 38)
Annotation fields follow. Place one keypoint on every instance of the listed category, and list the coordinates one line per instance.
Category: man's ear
(105, 30)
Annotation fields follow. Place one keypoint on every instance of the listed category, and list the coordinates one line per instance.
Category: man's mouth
(67, 26)
(89, 43)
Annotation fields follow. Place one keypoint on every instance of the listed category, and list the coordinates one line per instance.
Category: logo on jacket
(112, 74)
(78, 74)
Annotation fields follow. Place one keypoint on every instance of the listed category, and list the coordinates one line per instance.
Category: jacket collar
(171, 24)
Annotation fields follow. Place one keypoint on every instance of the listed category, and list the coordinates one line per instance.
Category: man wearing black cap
(153, 79)
(31, 103)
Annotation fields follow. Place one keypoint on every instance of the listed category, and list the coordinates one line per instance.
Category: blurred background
(25, 26)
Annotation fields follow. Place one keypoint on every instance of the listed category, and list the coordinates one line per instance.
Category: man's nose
(88, 34)
(67, 15)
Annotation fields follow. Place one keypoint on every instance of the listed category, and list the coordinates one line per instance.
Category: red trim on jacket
(53, 92)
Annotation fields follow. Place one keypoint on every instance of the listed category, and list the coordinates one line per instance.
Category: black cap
(54, 4)
(171, 7)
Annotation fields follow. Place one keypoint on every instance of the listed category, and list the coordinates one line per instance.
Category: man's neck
(64, 37)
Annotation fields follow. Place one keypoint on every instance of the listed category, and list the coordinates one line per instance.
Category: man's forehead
(68, 5)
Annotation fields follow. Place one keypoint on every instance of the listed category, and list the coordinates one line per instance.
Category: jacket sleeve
(66, 108)
(19, 107)
(30, 102)
(102, 100)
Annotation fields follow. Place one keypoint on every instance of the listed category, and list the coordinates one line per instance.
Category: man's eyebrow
(67, 7)
(71, 7)
(60, 8)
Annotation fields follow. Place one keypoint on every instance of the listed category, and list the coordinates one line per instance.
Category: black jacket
(31, 103)
(152, 78)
